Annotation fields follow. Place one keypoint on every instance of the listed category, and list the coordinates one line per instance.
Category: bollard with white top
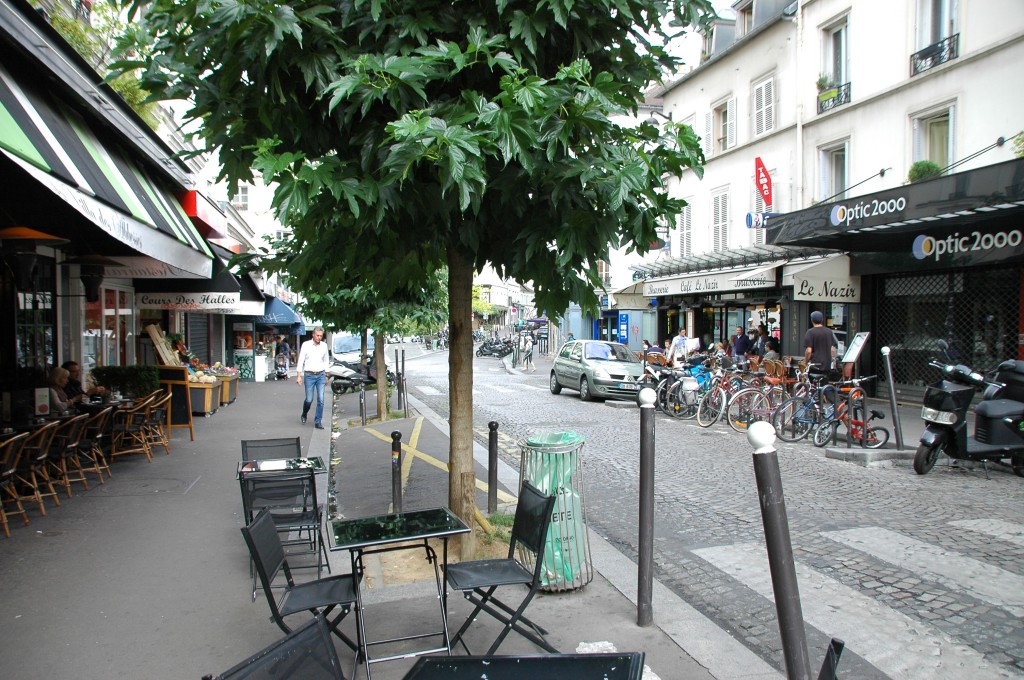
(896, 425)
(781, 562)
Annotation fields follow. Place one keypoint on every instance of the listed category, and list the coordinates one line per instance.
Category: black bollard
(396, 471)
(781, 562)
(492, 467)
(645, 555)
(362, 404)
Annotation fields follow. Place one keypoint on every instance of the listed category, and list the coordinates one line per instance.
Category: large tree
(407, 134)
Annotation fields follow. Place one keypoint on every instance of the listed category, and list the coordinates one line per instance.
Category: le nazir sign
(826, 289)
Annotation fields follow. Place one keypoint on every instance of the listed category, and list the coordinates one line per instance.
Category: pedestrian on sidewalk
(311, 373)
(528, 364)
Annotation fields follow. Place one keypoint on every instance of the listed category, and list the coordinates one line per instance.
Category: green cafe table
(399, 531)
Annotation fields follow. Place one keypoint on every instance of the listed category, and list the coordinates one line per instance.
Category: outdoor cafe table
(399, 531)
(616, 666)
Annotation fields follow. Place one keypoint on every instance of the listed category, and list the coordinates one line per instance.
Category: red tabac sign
(763, 181)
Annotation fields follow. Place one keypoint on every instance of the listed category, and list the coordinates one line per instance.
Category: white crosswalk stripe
(427, 389)
(897, 645)
(997, 528)
(963, 574)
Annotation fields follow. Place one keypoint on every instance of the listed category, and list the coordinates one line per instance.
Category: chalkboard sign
(174, 379)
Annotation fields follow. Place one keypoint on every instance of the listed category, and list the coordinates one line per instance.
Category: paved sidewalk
(147, 575)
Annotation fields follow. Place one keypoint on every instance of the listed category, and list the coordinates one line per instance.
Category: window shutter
(759, 207)
(824, 172)
(720, 221)
(684, 225)
(730, 134)
(769, 105)
(707, 133)
(758, 109)
(951, 157)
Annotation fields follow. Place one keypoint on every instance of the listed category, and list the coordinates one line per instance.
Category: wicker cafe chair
(321, 596)
(158, 423)
(129, 432)
(479, 579)
(62, 463)
(31, 477)
(90, 446)
(306, 653)
(10, 453)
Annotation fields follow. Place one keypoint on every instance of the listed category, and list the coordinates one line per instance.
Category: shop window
(933, 136)
(764, 106)
(832, 162)
(720, 221)
(108, 338)
(684, 228)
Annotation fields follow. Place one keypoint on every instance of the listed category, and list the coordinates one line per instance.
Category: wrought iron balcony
(834, 96)
(933, 55)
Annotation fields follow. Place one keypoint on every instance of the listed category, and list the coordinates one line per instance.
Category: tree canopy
(396, 130)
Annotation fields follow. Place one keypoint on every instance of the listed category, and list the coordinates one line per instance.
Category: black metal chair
(307, 653)
(321, 596)
(291, 499)
(479, 579)
(263, 449)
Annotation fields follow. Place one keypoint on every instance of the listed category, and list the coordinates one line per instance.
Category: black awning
(984, 206)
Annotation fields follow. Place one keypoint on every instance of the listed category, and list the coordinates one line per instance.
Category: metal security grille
(975, 313)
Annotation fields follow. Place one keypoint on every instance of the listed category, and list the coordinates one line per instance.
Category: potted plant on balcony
(826, 88)
(923, 170)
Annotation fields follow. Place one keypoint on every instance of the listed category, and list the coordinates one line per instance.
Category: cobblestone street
(921, 576)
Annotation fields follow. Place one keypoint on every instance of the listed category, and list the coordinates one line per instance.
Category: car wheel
(553, 384)
(584, 390)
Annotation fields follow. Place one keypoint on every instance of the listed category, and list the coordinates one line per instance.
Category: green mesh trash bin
(552, 463)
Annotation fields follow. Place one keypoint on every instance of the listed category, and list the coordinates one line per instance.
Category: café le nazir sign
(747, 279)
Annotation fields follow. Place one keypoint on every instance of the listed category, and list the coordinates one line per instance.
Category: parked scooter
(998, 422)
(350, 375)
(495, 348)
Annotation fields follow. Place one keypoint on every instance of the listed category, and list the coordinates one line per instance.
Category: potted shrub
(826, 88)
(923, 170)
(132, 381)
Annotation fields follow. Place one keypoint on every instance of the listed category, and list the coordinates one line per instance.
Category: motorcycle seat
(999, 408)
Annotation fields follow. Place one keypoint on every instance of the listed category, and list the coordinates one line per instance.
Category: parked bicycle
(797, 417)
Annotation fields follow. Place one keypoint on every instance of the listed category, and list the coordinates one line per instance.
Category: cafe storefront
(712, 294)
(941, 263)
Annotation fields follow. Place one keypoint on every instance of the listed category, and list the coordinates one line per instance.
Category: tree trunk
(460, 394)
(382, 376)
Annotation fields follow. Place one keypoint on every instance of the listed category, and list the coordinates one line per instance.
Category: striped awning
(56, 146)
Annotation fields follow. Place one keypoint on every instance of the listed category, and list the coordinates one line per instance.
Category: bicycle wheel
(746, 407)
(711, 407)
(794, 419)
(661, 400)
(682, 403)
(877, 437)
(673, 406)
(825, 432)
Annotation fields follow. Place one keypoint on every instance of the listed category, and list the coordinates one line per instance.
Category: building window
(833, 165)
(720, 221)
(744, 18)
(936, 21)
(240, 201)
(604, 272)
(764, 106)
(720, 127)
(933, 137)
(684, 226)
(835, 61)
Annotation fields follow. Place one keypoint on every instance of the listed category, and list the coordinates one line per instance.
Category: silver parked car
(598, 369)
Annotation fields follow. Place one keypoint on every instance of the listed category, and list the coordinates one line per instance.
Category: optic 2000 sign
(930, 247)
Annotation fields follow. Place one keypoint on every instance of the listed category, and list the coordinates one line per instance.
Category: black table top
(619, 666)
(366, 532)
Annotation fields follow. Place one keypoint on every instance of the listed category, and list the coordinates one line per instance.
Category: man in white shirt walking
(311, 373)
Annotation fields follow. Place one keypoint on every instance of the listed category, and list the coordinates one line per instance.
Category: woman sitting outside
(59, 400)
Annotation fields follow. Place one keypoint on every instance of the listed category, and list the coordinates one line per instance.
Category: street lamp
(654, 121)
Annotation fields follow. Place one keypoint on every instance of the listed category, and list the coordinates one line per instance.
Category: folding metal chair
(479, 579)
(307, 653)
(321, 596)
(263, 449)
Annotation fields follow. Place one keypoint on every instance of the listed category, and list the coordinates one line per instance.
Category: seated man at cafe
(74, 387)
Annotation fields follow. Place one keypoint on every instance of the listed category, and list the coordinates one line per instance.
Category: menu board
(856, 345)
